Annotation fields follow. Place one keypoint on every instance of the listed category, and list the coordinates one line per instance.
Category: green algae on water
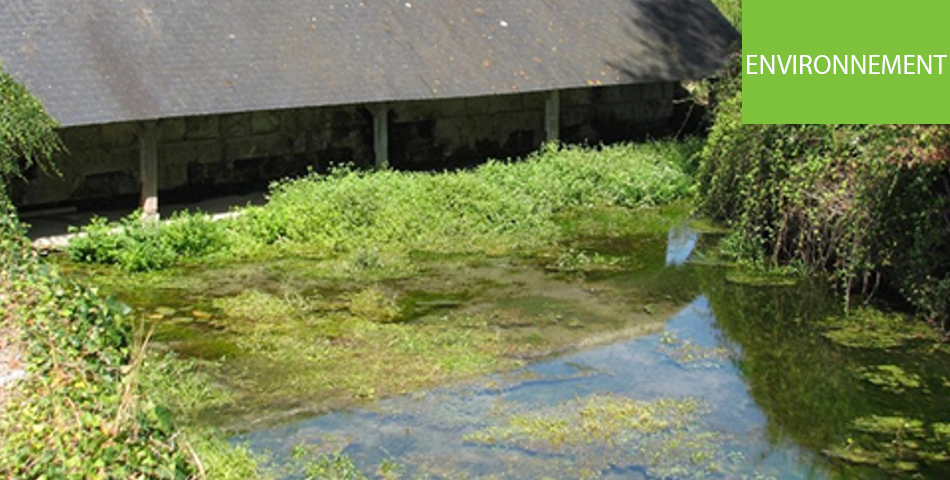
(891, 378)
(896, 444)
(871, 328)
(610, 432)
(686, 352)
(753, 278)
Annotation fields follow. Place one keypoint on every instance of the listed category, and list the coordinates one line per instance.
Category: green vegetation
(94, 404)
(870, 328)
(141, 245)
(868, 203)
(378, 217)
(869, 207)
(732, 10)
(354, 286)
(685, 352)
(614, 433)
(88, 407)
(183, 387)
(865, 389)
(891, 378)
(27, 134)
(80, 412)
(298, 335)
(312, 301)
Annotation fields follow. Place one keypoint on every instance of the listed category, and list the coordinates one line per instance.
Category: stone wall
(208, 155)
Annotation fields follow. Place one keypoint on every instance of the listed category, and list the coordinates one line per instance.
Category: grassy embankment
(368, 218)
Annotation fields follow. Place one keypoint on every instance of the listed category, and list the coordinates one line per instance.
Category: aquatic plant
(184, 387)
(687, 353)
(871, 328)
(138, 245)
(608, 432)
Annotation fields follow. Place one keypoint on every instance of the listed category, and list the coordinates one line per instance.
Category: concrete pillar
(381, 136)
(552, 116)
(148, 168)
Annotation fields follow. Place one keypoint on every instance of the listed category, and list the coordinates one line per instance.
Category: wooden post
(148, 168)
(381, 136)
(552, 116)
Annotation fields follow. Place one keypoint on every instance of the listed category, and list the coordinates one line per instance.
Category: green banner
(846, 61)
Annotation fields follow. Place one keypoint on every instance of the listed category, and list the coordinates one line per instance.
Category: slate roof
(103, 61)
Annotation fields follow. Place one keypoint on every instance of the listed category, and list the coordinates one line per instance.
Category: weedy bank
(499, 207)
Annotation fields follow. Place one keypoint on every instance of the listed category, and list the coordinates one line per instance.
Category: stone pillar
(552, 116)
(148, 168)
(381, 136)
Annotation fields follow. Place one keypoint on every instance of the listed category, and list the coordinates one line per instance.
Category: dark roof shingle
(103, 61)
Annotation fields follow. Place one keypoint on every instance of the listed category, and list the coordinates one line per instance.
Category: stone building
(194, 97)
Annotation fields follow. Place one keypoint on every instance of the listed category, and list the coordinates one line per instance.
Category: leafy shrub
(192, 235)
(139, 245)
(27, 133)
(868, 203)
(96, 243)
(15, 250)
(80, 412)
(500, 205)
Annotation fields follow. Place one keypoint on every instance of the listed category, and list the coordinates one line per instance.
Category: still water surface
(738, 384)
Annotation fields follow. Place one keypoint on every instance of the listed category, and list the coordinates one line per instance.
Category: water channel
(660, 368)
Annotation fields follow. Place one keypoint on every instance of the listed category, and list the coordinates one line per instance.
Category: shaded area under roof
(104, 61)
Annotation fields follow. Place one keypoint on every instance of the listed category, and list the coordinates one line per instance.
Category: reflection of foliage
(785, 364)
(608, 432)
(896, 444)
(833, 398)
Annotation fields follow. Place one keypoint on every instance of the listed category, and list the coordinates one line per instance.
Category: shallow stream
(705, 397)
(624, 358)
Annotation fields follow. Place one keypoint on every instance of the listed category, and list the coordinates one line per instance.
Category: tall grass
(497, 207)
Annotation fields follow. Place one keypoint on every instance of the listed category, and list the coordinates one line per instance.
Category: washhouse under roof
(105, 61)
